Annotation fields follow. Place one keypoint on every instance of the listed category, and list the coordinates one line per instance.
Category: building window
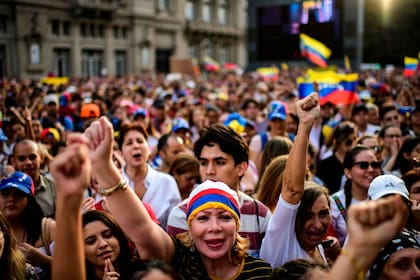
(206, 12)
(145, 56)
(221, 12)
(34, 54)
(83, 29)
(92, 63)
(101, 31)
(55, 27)
(190, 10)
(66, 28)
(116, 30)
(3, 24)
(62, 62)
(192, 51)
(120, 63)
(92, 30)
(223, 54)
(163, 5)
(124, 32)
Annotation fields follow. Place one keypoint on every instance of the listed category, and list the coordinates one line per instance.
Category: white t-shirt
(280, 243)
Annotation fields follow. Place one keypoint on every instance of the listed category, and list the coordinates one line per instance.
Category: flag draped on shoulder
(315, 51)
(410, 65)
(337, 88)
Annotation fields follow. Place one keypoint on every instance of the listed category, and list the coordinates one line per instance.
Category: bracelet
(355, 263)
(121, 185)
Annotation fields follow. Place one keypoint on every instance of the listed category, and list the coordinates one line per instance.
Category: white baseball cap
(387, 184)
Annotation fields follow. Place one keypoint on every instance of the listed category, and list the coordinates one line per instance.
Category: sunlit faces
(214, 233)
(216, 165)
(27, 159)
(135, 149)
(404, 264)
(13, 202)
(317, 224)
(363, 177)
(415, 191)
(100, 243)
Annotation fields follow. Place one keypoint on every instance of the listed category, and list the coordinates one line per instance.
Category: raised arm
(151, 240)
(71, 171)
(308, 111)
(371, 225)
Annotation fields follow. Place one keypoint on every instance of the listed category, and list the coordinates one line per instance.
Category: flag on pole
(410, 65)
(211, 65)
(315, 51)
(268, 73)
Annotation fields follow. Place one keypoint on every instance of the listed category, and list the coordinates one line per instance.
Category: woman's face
(415, 191)
(214, 233)
(360, 177)
(100, 243)
(415, 153)
(346, 144)
(404, 264)
(135, 149)
(186, 181)
(317, 224)
(391, 136)
(13, 202)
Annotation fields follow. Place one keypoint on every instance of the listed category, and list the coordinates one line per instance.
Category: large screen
(278, 28)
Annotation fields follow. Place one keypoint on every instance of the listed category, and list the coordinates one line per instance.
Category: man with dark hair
(223, 156)
(169, 146)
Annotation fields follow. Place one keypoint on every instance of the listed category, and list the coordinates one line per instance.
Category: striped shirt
(189, 266)
(254, 221)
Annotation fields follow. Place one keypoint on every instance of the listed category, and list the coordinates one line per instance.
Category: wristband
(355, 263)
(121, 185)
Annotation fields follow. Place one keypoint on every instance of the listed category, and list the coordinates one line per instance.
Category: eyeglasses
(376, 148)
(365, 164)
(393, 136)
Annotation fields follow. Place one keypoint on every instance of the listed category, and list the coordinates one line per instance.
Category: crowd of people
(222, 176)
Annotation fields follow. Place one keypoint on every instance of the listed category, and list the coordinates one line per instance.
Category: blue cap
(3, 137)
(20, 181)
(180, 123)
(140, 112)
(277, 109)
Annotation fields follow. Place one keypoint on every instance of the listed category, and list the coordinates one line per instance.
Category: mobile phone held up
(327, 243)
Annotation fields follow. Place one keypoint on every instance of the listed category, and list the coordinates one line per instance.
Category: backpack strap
(341, 207)
(45, 234)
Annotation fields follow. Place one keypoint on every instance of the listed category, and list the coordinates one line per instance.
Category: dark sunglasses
(366, 164)
(376, 149)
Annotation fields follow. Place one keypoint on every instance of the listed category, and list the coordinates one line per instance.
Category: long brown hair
(12, 261)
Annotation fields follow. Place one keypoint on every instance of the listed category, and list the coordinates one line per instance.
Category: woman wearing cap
(360, 168)
(400, 259)
(212, 248)
(18, 205)
(302, 215)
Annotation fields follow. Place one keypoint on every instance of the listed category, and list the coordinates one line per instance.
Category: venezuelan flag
(314, 50)
(211, 65)
(339, 89)
(410, 65)
(268, 73)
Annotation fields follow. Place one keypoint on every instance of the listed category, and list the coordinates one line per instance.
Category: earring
(192, 247)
